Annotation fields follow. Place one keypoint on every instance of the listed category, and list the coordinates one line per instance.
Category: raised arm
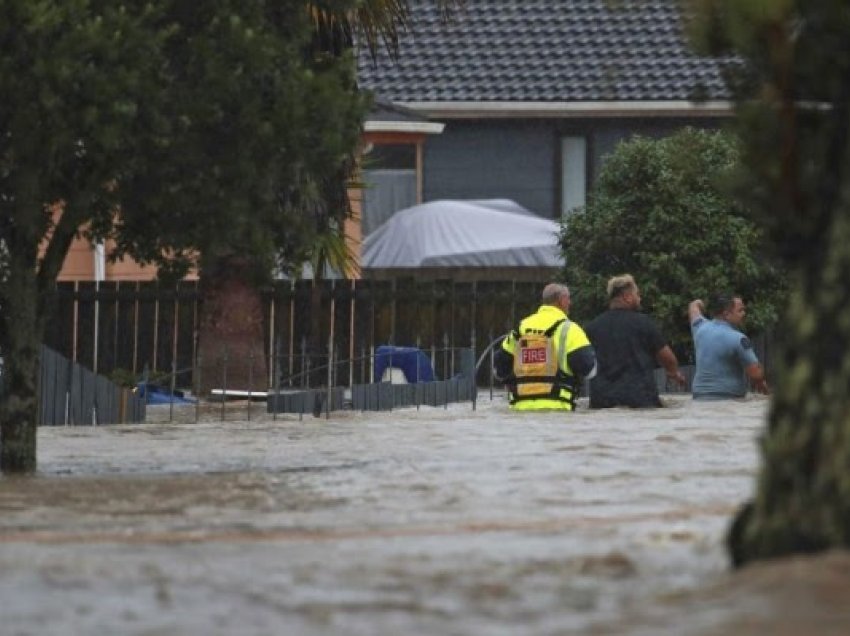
(695, 311)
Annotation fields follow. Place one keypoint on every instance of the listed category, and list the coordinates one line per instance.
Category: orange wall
(79, 265)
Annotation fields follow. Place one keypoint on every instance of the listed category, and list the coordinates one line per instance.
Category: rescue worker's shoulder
(576, 336)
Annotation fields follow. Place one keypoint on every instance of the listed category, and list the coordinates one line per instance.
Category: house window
(390, 183)
(573, 173)
(392, 157)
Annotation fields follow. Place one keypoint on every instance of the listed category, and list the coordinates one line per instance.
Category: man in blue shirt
(726, 362)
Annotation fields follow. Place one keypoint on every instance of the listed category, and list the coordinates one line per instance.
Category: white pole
(99, 275)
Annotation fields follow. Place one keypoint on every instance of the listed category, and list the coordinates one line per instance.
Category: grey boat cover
(449, 233)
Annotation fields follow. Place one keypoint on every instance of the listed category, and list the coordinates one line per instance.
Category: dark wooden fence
(131, 326)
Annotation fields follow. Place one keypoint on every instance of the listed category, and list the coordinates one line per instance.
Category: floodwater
(413, 522)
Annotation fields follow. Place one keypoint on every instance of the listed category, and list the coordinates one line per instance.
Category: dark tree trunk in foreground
(21, 342)
(230, 338)
(803, 499)
(802, 502)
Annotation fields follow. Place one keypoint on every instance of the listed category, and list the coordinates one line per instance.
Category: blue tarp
(413, 362)
(155, 394)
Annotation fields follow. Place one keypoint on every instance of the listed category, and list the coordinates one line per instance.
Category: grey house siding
(493, 160)
(520, 159)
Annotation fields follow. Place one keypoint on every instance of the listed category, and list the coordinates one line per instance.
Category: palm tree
(370, 22)
(339, 29)
(321, 201)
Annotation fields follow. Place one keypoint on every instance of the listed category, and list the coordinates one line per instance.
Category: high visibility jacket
(540, 346)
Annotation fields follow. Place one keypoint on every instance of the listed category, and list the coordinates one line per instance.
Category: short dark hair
(721, 301)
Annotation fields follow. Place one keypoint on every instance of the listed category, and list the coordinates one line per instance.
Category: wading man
(629, 345)
(543, 360)
(724, 356)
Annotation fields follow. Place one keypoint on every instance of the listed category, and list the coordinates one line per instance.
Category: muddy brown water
(430, 521)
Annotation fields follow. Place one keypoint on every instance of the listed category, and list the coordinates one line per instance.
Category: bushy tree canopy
(180, 130)
(660, 211)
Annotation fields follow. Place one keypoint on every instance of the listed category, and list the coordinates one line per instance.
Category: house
(392, 172)
(535, 93)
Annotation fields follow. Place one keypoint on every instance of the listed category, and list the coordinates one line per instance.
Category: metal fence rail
(379, 395)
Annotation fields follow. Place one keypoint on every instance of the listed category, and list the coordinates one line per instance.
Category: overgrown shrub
(661, 211)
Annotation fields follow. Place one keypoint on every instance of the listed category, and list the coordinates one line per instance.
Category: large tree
(661, 211)
(180, 130)
(789, 65)
(219, 134)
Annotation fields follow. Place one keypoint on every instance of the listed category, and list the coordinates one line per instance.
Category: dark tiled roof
(544, 51)
(383, 110)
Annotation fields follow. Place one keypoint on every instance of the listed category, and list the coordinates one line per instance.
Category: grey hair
(618, 285)
(553, 292)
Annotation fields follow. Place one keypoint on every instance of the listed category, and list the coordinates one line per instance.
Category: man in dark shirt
(628, 347)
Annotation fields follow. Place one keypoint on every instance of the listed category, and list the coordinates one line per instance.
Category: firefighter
(545, 358)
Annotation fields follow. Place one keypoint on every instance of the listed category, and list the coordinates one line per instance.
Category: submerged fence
(133, 325)
(70, 394)
(325, 334)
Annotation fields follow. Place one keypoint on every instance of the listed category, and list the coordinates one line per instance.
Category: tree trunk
(20, 344)
(230, 340)
(803, 498)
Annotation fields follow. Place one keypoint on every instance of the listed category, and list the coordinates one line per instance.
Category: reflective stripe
(562, 349)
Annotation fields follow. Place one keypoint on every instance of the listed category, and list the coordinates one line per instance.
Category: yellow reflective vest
(542, 378)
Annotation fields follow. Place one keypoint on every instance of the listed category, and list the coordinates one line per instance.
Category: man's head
(623, 292)
(729, 307)
(557, 295)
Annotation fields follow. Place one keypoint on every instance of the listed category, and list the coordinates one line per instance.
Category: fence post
(330, 377)
(417, 387)
(198, 366)
(491, 356)
(351, 347)
(223, 383)
(389, 367)
(304, 362)
(173, 386)
(276, 366)
(250, 383)
(68, 390)
(446, 366)
(473, 380)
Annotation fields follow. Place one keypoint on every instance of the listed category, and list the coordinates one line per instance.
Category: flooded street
(411, 522)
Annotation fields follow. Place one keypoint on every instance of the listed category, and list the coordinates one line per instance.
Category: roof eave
(421, 127)
(496, 110)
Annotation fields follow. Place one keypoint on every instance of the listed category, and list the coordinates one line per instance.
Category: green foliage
(176, 129)
(252, 140)
(660, 212)
(124, 378)
(210, 125)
